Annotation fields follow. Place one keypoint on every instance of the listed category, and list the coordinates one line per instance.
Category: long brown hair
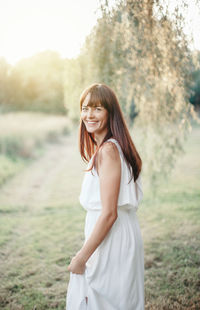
(117, 129)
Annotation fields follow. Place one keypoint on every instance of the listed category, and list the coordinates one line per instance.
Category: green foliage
(9, 167)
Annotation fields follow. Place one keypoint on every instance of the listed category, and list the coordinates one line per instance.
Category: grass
(172, 252)
(37, 274)
(9, 167)
(170, 223)
(38, 240)
(22, 137)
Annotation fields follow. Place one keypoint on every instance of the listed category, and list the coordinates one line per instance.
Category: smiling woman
(108, 271)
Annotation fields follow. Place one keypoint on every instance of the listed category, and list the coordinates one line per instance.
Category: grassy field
(42, 227)
(22, 137)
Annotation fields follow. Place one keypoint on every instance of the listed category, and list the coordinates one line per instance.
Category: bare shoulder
(108, 159)
(109, 152)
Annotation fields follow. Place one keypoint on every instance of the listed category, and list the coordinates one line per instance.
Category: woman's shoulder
(108, 152)
(112, 141)
(115, 142)
(109, 149)
(108, 160)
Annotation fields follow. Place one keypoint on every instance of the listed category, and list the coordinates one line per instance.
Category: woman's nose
(90, 113)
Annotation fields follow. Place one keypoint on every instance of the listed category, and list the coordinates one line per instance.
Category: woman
(108, 271)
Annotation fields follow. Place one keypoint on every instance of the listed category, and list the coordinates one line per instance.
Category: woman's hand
(77, 264)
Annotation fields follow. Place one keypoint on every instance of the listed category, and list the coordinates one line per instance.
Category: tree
(140, 50)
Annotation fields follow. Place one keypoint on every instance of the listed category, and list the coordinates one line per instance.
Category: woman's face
(95, 118)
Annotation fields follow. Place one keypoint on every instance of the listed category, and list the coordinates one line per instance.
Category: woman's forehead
(87, 99)
(91, 103)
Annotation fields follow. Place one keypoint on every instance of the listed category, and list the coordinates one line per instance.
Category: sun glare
(29, 27)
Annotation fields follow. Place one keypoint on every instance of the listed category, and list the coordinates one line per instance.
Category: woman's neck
(99, 137)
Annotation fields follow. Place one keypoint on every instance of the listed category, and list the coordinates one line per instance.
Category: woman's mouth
(91, 122)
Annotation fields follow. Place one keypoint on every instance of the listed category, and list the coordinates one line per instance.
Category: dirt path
(46, 180)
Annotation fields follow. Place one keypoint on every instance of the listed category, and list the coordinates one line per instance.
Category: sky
(31, 26)
(28, 27)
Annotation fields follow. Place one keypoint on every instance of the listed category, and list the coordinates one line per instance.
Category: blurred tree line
(140, 50)
(33, 84)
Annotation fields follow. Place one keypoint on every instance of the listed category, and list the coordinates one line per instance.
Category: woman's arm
(109, 169)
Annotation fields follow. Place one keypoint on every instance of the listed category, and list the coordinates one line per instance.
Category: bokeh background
(148, 52)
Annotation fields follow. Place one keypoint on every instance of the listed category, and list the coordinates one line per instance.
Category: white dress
(114, 273)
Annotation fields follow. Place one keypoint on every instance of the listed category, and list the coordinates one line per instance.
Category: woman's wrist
(83, 259)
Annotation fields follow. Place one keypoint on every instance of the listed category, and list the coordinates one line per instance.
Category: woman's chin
(90, 130)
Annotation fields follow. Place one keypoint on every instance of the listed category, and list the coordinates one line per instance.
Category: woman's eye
(84, 109)
(98, 109)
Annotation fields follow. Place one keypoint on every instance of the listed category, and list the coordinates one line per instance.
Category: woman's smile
(92, 126)
(92, 122)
